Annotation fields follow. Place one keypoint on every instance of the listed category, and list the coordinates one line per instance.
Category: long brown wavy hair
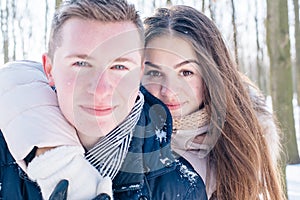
(243, 165)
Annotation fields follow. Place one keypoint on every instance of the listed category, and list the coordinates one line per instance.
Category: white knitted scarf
(194, 120)
(186, 129)
(109, 153)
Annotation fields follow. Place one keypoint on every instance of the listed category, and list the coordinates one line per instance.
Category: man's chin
(95, 129)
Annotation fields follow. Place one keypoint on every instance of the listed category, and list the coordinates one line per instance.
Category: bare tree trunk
(13, 19)
(46, 24)
(203, 6)
(212, 10)
(278, 44)
(261, 78)
(57, 3)
(297, 45)
(234, 33)
(169, 3)
(1, 17)
(22, 30)
(4, 30)
(153, 4)
(22, 39)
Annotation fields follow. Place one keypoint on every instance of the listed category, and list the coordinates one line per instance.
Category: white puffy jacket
(30, 115)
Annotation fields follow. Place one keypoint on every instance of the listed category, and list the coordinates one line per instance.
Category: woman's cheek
(198, 92)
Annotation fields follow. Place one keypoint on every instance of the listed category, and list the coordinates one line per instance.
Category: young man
(114, 130)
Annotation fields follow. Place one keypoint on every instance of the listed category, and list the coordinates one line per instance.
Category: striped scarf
(109, 153)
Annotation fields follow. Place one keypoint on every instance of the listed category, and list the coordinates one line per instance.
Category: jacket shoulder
(14, 184)
(179, 182)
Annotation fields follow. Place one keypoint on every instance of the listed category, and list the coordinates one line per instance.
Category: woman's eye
(81, 63)
(119, 67)
(186, 73)
(153, 73)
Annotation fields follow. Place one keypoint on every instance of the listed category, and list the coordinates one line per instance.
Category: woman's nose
(170, 88)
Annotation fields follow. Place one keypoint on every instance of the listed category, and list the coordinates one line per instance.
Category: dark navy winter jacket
(149, 171)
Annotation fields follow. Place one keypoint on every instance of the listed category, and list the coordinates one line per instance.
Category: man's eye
(119, 67)
(186, 73)
(153, 73)
(81, 63)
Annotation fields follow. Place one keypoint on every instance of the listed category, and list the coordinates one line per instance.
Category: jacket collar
(150, 151)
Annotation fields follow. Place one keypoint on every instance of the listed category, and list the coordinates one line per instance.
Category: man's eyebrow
(125, 59)
(82, 56)
(86, 57)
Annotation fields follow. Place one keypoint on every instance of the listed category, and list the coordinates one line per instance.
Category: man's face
(96, 71)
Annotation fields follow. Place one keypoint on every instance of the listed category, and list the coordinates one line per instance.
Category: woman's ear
(47, 64)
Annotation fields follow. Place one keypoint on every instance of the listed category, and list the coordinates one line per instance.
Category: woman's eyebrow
(175, 67)
(185, 62)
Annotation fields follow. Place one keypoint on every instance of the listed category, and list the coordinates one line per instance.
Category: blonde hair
(99, 10)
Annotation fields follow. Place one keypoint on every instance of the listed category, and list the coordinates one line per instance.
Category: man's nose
(100, 83)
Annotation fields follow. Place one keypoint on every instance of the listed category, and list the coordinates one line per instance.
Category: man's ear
(47, 64)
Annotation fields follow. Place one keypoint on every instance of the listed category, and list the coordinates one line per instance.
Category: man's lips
(99, 111)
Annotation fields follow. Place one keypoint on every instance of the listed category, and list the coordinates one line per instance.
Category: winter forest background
(263, 35)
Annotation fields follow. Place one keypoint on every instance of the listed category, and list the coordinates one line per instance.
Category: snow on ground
(293, 171)
(293, 181)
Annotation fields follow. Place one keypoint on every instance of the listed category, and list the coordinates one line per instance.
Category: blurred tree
(212, 10)
(153, 4)
(13, 20)
(261, 71)
(4, 29)
(57, 3)
(278, 44)
(236, 55)
(297, 45)
(169, 3)
(46, 23)
(25, 29)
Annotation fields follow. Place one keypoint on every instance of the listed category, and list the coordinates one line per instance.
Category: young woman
(216, 122)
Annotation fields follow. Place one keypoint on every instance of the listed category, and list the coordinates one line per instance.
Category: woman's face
(172, 75)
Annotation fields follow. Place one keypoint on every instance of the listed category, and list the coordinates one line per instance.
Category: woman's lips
(173, 106)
